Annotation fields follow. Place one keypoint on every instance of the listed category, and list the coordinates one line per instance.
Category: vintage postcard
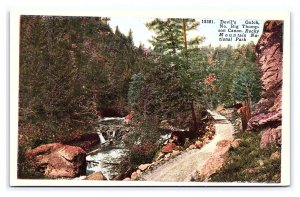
(149, 99)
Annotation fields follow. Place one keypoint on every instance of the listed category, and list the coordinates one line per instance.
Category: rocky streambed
(105, 161)
(71, 159)
(107, 155)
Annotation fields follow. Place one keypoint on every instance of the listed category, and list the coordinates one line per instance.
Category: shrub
(142, 143)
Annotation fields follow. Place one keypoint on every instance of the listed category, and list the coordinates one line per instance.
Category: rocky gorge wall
(267, 114)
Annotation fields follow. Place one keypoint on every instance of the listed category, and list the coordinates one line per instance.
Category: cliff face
(267, 113)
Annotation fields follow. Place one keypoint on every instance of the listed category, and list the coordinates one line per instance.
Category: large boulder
(267, 113)
(57, 160)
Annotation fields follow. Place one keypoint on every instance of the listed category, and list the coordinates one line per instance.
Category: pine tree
(169, 85)
(169, 38)
(130, 37)
(246, 84)
(135, 93)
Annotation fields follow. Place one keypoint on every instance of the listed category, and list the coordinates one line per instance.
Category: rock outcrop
(216, 161)
(57, 160)
(267, 113)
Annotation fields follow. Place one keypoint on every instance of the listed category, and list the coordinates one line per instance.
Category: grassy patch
(249, 163)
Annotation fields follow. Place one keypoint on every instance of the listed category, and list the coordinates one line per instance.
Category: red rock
(96, 176)
(168, 155)
(135, 176)
(139, 171)
(261, 162)
(277, 102)
(143, 167)
(57, 160)
(220, 108)
(275, 155)
(216, 161)
(128, 118)
(270, 136)
(236, 143)
(267, 112)
(175, 153)
(192, 146)
(199, 144)
(205, 140)
(73, 46)
(160, 156)
(252, 170)
(223, 146)
(43, 150)
(168, 148)
(123, 175)
(263, 120)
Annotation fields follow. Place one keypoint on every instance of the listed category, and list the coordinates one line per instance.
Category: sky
(210, 31)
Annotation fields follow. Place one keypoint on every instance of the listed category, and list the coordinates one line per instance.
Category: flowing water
(110, 151)
(105, 161)
(102, 139)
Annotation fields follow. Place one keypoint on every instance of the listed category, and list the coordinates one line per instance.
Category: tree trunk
(195, 124)
(184, 33)
(246, 113)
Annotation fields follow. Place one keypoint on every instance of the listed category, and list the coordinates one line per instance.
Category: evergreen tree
(135, 93)
(169, 38)
(169, 93)
(246, 84)
(130, 37)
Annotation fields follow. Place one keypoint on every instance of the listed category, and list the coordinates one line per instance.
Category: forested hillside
(71, 71)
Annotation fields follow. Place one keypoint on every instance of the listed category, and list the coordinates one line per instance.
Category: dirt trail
(183, 167)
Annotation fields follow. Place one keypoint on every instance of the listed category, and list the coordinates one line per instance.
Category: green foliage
(53, 93)
(69, 68)
(171, 94)
(143, 143)
(246, 84)
(169, 38)
(234, 68)
(243, 163)
(25, 170)
(135, 92)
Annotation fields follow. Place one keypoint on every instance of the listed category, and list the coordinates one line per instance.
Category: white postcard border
(213, 13)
